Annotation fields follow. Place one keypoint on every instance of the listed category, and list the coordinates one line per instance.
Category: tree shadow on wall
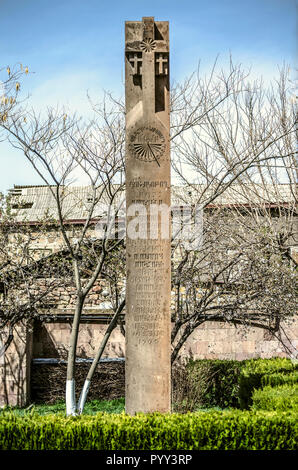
(15, 368)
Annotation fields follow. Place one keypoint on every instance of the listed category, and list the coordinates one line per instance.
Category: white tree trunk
(99, 353)
(83, 396)
(70, 398)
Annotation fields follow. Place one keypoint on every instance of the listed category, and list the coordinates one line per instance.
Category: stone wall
(211, 340)
(62, 294)
(51, 340)
(214, 340)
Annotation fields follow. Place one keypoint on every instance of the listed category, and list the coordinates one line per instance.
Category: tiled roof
(235, 194)
(32, 203)
(36, 202)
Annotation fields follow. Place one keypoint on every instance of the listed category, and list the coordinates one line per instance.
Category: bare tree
(58, 146)
(22, 297)
(243, 273)
(238, 161)
(227, 129)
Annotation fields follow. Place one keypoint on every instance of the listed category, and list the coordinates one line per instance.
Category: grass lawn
(91, 408)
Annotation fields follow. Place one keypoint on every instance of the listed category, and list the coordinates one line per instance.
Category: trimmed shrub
(253, 375)
(280, 379)
(280, 398)
(228, 430)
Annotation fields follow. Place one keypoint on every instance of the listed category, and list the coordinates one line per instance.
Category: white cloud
(68, 89)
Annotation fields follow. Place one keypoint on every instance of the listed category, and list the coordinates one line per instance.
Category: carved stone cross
(162, 64)
(135, 59)
(148, 262)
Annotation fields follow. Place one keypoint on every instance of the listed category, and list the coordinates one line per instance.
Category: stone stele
(148, 254)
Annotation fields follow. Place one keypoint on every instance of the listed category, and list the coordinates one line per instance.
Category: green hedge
(229, 383)
(280, 398)
(256, 373)
(229, 430)
(279, 378)
(270, 385)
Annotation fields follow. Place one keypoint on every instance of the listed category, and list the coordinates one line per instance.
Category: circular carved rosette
(147, 144)
(148, 45)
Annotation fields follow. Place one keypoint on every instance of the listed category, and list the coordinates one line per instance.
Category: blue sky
(73, 46)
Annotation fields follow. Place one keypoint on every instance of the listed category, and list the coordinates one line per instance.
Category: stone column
(148, 245)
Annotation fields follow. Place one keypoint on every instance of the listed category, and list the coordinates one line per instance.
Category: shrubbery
(206, 383)
(268, 386)
(256, 373)
(221, 379)
(227, 383)
(280, 378)
(229, 430)
(280, 398)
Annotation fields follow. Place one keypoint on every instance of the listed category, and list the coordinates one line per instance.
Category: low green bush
(256, 372)
(222, 379)
(279, 378)
(227, 383)
(280, 398)
(270, 385)
(227, 430)
(208, 383)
